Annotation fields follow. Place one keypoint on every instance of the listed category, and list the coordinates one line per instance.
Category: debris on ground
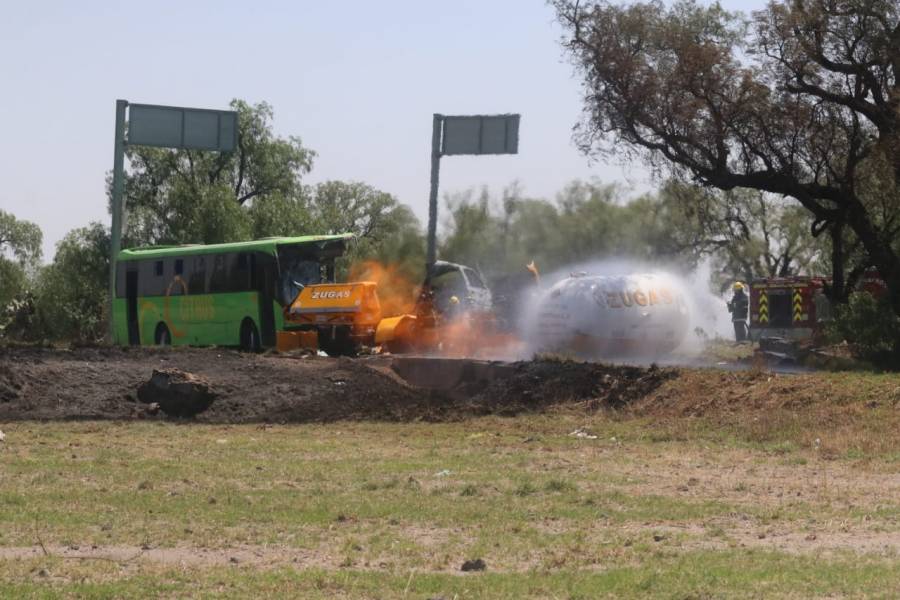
(583, 433)
(474, 565)
(177, 393)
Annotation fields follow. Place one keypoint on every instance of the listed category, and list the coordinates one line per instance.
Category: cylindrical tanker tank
(598, 315)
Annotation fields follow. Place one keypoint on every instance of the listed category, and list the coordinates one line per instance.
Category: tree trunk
(880, 253)
(838, 294)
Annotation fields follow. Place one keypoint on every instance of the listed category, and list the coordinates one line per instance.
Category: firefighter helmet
(737, 286)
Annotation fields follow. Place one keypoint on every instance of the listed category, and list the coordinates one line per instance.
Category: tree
(748, 233)
(385, 230)
(20, 252)
(185, 196)
(800, 100)
(189, 196)
(474, 232)
(72, 290)
(586, 221)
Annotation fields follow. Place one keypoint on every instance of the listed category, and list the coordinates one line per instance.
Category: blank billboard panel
(494, 134)
(175, 127)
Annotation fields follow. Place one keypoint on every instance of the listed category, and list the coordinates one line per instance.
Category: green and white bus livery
(218, 294)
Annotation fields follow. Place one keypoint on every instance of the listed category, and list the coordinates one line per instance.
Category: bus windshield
(296, 265)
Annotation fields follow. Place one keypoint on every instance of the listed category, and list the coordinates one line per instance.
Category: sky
(357, 81)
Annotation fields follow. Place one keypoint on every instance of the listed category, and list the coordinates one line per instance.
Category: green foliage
(870, 326)
(746, 233)
(281, 216)
(386, 230)
(13, 280)
(21, 239)
(792, 100)
(187, 196)
(20, 252)
(586, 221)
(18, 318)
(182, 196)
(71, 292)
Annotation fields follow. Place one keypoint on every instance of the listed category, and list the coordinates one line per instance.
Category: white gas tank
(628, 315)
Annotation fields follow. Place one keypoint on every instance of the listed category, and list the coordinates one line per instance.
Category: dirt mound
(318, 390)
(178, 394)
(538, 384)
(107, 383)
(723, 395)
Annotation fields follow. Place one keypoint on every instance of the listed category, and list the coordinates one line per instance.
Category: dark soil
(103, 383)
(11, 383)
(541, 383)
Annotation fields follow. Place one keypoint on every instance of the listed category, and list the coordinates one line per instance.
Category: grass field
(674, 508)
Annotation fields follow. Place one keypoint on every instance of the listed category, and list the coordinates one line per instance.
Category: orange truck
(339, 318)
(451, 313)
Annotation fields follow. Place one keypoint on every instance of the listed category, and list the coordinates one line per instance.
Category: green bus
(217, 294)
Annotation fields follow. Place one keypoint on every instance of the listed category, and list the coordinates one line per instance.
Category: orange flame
(476, 335)
(396, 292)
(467, 334)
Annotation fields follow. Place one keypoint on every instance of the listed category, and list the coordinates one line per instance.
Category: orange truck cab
(341, 315)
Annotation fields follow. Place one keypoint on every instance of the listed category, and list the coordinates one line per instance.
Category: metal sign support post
(118, 186)
(433, 198)
(468, 134)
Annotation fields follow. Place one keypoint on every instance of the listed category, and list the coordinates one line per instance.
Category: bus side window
(219, 280)
(254, 280)
(177, 284)
(240, 273)
(197, 279)
(151, 277)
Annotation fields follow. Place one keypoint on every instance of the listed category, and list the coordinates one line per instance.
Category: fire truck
(796, 307)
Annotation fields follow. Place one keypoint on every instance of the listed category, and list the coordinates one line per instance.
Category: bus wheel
(250, 341)
(162, 337)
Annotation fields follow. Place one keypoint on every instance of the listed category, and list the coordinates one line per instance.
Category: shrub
(18, 319)
(871, 328)
(71, 292)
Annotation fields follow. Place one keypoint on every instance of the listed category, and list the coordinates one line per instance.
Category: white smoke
(711, 316)
(707, 312)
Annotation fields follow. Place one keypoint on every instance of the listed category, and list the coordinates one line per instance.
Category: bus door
(262, 277)
(131, 312)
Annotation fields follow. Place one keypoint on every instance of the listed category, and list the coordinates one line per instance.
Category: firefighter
(454, 309)
(739, 307)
